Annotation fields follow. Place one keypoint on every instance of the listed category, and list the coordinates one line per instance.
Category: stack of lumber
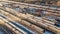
(35, 24)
